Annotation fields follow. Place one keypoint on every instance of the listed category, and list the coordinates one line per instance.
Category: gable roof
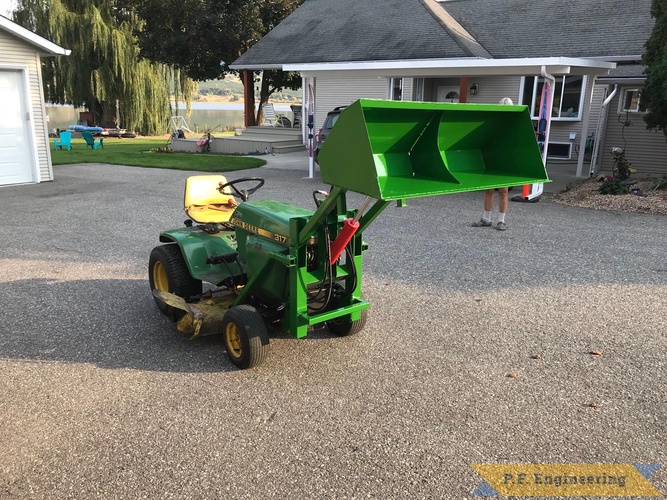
(336, 31)
(567, 28)
(44, 46)
(353, 30)
(625, 74)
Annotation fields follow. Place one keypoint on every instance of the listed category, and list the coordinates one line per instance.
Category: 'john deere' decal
(261, 232)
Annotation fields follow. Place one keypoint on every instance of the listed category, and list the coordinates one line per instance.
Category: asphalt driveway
(102, 398)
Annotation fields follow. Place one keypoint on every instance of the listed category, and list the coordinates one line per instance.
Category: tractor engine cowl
(268, 219)
(262, 227)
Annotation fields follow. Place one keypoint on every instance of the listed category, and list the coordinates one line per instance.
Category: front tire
(344, 326)
(245, 335)
(167, 271)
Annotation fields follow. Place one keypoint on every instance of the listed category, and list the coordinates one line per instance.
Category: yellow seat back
(204, 203)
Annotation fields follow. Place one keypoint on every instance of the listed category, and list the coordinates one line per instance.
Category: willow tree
(203, 37)
(103, 73)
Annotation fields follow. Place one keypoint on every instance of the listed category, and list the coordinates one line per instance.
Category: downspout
(552, 90)
(589, 90)
(598, 130)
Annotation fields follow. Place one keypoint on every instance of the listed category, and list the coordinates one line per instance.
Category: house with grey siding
(623, 124)
(479, 51)
(25, 156)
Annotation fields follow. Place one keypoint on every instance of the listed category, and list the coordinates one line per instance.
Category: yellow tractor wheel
(245, 336)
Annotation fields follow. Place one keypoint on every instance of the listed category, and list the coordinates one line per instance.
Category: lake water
(216, 116)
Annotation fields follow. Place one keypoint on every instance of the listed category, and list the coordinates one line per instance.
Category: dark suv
(329, 122)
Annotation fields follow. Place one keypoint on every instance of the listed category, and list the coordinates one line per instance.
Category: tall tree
(654, 95)
(198, 37)
(202, 37)
(271, 13)
(103, 73)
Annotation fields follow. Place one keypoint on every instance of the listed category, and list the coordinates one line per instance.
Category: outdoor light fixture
(473, 89)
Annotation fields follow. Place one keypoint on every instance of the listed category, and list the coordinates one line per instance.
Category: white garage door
(16, 160)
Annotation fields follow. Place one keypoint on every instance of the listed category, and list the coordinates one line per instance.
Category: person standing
(485, 221)
(503, 198)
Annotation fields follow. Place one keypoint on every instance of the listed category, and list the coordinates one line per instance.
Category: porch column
(312, 86)
(304, 109)
(248, 97)
(463, 89)
(590, 84)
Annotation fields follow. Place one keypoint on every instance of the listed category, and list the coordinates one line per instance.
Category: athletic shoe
(501, 226)
(482, 223)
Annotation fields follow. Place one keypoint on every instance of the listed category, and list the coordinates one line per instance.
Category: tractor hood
(266, 218)
(393, 150)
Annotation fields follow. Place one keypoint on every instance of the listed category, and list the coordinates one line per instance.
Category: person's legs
(488, 206)
(503, 198)
(488, 200)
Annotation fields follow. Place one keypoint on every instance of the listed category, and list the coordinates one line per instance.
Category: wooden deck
(263, 140)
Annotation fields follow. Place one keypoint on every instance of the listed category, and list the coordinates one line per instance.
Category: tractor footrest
(357, 305)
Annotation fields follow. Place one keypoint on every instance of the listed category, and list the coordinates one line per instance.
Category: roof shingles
(566, 28)
(322, 31)
(354, 30)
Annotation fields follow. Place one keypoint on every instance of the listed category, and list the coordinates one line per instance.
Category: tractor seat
(204, 203)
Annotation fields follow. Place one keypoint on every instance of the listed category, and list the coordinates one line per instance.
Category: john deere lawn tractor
(275, 266)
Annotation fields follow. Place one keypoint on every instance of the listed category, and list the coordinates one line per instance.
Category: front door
(448, 94)
(16, 160)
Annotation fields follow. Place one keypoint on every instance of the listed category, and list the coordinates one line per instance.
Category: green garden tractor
(275, 266)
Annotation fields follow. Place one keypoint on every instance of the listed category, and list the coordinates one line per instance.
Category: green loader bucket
(393, 150)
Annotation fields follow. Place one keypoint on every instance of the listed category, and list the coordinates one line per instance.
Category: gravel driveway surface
(102, 398)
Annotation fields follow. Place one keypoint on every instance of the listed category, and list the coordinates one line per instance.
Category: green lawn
(141, 152)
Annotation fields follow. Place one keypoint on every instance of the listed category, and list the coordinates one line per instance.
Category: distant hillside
(231, 89)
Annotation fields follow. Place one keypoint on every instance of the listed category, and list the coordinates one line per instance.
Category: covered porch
(465, 70)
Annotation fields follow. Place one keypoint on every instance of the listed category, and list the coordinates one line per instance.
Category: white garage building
(24, 140)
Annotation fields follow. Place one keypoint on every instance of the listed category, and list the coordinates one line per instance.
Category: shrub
(660, 183)
(622, 168)
(614, 186)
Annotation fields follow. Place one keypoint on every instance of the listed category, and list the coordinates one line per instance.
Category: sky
(6, 6)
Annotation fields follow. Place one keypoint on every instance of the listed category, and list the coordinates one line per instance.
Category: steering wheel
(244, 194)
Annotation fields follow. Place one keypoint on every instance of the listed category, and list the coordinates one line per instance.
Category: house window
(396, 89)
(568, 96)
(559, 150)
(630, 101)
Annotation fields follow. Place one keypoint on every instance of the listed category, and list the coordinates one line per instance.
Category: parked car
(329, 122)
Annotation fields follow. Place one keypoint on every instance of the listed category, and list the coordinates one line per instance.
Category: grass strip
(149, 153)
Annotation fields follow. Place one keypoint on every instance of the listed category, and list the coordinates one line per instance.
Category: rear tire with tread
(167, 271)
